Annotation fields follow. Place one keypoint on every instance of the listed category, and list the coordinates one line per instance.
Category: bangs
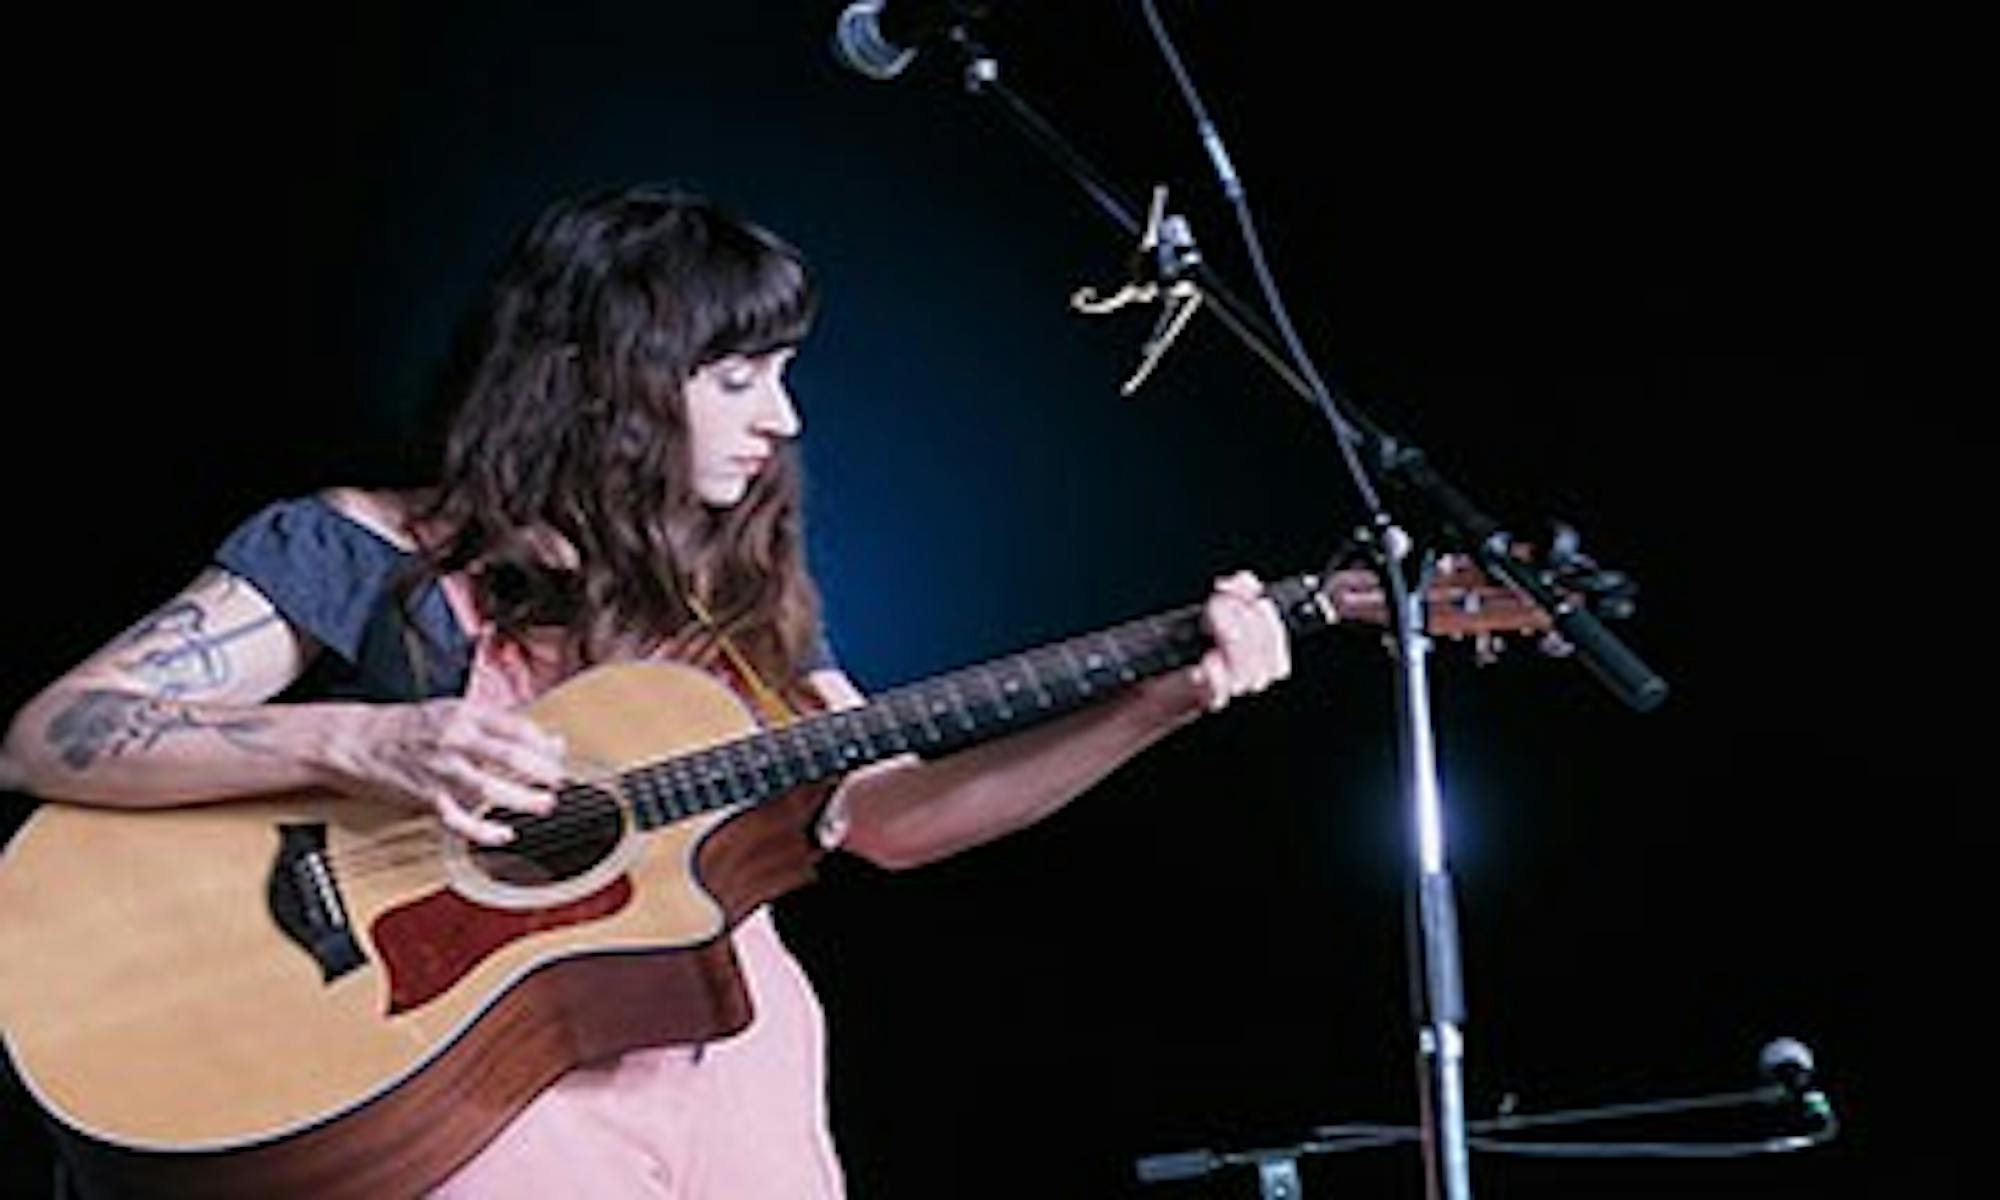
(762, 298)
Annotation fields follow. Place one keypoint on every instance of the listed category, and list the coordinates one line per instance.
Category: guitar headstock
(1460, 601)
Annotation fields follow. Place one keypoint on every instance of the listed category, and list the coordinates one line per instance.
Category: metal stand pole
(1436, 988)
(1278, 1179)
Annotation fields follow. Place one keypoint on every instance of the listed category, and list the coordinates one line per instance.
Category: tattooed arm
(175, 711)
(172, 709)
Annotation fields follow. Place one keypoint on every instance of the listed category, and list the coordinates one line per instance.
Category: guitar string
(561, 831)
(567, 829)
(574, 828)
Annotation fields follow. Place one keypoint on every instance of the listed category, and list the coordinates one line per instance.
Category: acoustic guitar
(313, 995)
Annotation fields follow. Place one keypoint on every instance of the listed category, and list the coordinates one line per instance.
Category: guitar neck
(945, 714)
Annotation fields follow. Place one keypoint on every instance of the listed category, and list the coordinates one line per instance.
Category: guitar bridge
(305, 901)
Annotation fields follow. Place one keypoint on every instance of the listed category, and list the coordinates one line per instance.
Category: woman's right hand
(460, 759)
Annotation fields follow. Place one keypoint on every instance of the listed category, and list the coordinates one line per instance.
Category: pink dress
(739, 1119)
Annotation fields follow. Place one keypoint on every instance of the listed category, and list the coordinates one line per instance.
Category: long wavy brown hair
(567, 418)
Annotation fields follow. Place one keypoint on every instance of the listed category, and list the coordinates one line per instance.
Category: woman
(619, 482)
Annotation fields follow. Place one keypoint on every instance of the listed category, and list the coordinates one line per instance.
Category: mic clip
(1161, 268)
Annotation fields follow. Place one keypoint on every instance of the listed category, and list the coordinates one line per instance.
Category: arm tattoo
(194, 659)
(218, 585)
(106, 724)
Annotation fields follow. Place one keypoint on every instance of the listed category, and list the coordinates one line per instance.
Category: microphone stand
(1436, 989)
(1394, 460)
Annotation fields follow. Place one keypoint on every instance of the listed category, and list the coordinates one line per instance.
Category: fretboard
(941, 715)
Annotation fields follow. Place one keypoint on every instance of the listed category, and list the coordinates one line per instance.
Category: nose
(778, 416)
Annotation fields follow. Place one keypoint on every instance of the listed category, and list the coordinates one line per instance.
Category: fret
(645, 797)
(980, 695)
(737, 755)
(641, 795)
(888, 730)
(1002, 711)
(711, 796)
(857, 721)
(929, 727)
(1076, 672)
(662, 797)
(646, 810)
(992, 704)
(713, 779)
(1094, 662)
(840, 725)
(826, 741)
(797, 767)
(1152, 655)
(756, 756)
(1043, 700)
(629, 790)
(1055, 678)
(783, 766)
(688, 788)
(785, 755)
(673, 803)
(769, 765)
(703, 787)
(829, 744)
(937, 701)
(668, 775)
(959, 708)
(1114, 652)
(798, 739)
(1012, 685)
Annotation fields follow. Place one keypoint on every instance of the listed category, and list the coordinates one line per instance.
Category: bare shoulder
(389, 514)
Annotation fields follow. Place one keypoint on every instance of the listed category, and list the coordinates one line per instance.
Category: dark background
(1637, 273)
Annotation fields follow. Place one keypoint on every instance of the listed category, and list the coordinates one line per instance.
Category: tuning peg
(1486, 647)
(1555, 645)
(1565, 545)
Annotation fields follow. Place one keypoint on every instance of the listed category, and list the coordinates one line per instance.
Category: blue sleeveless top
(334, 579)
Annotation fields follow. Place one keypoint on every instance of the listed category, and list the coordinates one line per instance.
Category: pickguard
(429, 944)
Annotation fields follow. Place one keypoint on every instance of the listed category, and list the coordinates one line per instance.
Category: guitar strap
(769, 701)
(831, 825)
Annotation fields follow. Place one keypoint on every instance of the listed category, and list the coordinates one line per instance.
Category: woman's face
(737, 412)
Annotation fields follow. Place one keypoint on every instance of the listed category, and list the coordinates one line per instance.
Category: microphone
(879, 38)
(1789, 1063)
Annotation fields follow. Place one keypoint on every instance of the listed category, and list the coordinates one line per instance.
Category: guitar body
(313, 995)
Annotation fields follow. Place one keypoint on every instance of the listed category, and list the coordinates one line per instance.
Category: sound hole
(585, 827)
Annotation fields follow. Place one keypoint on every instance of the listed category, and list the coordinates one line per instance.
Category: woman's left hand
(1251, 651)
